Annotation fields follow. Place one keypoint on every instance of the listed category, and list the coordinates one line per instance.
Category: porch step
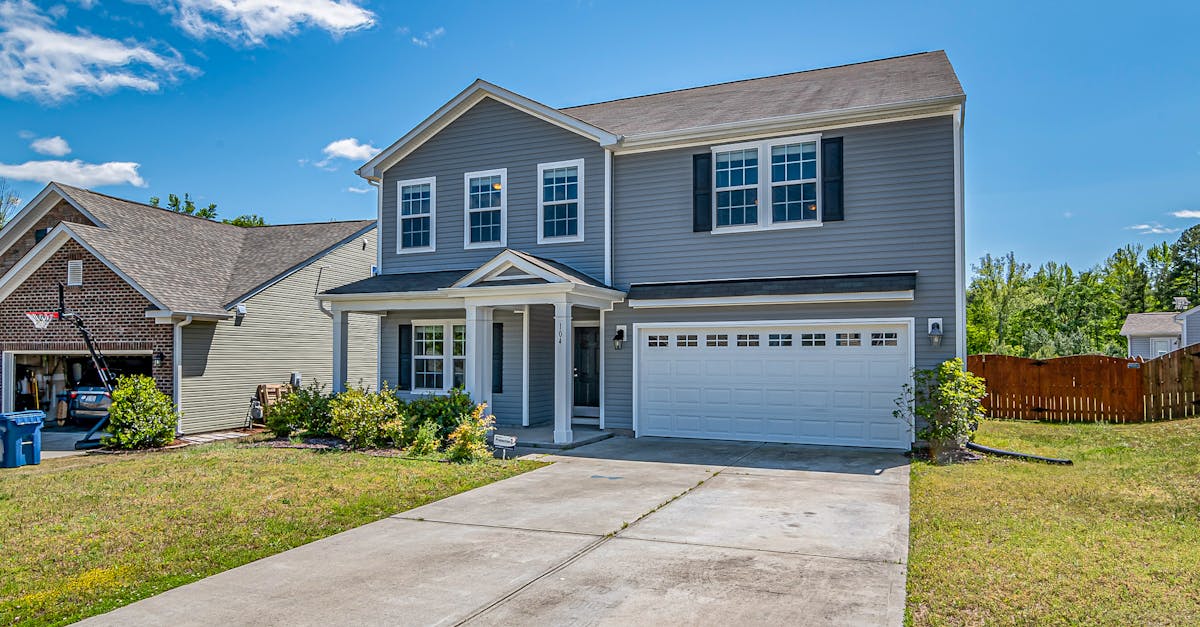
(590, 421)
(580, 440)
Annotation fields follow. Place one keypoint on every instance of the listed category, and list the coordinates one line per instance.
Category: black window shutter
(702, 192)
(831, 179)
(497, 358)
(405, 371)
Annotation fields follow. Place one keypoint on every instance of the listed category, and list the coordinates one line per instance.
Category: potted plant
(944, 404)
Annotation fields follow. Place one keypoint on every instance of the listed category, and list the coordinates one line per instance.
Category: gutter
(177, 368)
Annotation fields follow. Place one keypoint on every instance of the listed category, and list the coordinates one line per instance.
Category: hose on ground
(1003, 453)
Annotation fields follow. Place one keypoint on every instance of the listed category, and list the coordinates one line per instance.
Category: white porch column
(562, 373)
(341, 329)
(478, 373)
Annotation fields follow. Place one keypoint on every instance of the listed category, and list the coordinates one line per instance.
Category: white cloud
(1187, 213)
(426, 39)
(54, 146)
(1152, 228)
(1068, 215)
(40, 61)
(251, 22)
(349, 148)
(358, 190)
(75, 172)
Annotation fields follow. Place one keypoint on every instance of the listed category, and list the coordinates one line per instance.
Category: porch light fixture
(159, 358)
(935, 332)
(619, 338)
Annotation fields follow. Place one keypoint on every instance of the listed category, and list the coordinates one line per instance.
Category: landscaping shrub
(468, 441)
(141, 416)
(303, 409)
(426, 441)
(945, 404)
(358, 416)
(445, 411)
(396, 432)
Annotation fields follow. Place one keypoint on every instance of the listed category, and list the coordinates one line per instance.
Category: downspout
(177, 368)
(317, 295)
(608, 219)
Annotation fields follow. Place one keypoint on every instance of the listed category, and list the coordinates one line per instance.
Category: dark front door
(587, 371)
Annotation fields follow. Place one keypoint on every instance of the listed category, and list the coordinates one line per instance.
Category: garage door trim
(639, 327)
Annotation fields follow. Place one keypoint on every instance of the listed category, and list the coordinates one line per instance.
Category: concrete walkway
(646, 531)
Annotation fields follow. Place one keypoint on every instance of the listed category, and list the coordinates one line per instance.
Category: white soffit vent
(75, 272)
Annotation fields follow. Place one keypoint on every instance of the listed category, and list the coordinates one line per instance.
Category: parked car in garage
(89, 403)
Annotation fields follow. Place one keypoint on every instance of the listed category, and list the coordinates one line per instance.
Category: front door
(587, 371)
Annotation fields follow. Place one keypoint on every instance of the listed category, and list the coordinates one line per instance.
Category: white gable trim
(45, 249)
(462, 103)
(34, 210)
(512, 259)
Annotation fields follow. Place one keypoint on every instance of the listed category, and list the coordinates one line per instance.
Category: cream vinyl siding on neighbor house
(282, 332)
(489, 136)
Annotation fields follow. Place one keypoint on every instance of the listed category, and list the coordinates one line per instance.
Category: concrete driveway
(648, 531)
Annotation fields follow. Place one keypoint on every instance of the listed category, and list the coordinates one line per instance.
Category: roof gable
(463, 102)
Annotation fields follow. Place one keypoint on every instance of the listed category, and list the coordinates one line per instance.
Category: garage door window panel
(848, 339)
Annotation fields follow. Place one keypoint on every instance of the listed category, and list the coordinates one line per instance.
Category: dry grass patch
(1114, 539)
(84, 535)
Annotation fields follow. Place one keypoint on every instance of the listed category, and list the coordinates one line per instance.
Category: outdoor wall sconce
(159, 358)
(935, 332)
(619, 338)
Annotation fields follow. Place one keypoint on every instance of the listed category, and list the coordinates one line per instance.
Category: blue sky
(1082, 129)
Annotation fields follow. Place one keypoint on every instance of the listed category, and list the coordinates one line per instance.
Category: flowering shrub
(468, 441)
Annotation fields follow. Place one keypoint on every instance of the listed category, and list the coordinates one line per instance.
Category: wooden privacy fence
(1090, 388)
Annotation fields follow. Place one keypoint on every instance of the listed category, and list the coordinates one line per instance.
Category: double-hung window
(439, 355)
(767, 184)
(486, 223)
(415, 218)
(560, 201)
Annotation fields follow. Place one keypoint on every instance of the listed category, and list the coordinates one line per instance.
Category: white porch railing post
(341, 328)
(562, 373)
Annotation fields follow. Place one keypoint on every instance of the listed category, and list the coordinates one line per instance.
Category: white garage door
(812, 384)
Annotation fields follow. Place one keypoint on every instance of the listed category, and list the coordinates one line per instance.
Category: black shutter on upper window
(702, 192)
(405, 369)
(497, 358)
(831, 179)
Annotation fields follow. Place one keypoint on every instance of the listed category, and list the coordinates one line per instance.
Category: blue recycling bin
(21, 433)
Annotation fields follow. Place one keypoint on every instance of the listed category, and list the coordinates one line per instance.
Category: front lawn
(1114, 539)
(84, 535)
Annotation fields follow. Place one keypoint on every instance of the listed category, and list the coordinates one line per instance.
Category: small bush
(396, 433)
(141, 416)
(944, 403)
(358, 416)
(468, 441)
(426, 441)
(303, 409)
(445, 411)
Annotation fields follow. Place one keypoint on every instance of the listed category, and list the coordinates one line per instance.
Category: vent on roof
(75, 272)
(1181, 303)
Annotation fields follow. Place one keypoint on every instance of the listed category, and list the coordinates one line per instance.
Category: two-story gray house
(765, 259)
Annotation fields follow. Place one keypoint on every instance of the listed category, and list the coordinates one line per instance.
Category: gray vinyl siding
(489, 136)
(1191, 325)
(541, 364)
(506, 405)
(1141, 346)
(899, 216)
(282, 332)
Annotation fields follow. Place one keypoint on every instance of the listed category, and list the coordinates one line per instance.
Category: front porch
(518, 333)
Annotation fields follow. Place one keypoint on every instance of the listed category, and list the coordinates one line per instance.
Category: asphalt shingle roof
(899, 80)
(1160, 323)
(195, 265)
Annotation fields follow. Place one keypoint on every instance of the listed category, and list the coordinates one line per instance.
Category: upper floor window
(416, 220)
(789, 184)
(560, 202)
(486, 223)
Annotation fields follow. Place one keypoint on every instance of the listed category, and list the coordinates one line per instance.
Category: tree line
(1055, 310)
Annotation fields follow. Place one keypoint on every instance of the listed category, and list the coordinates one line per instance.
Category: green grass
(84, 535)
(1114, 539)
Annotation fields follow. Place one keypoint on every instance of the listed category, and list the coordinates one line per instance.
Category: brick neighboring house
(209, 310)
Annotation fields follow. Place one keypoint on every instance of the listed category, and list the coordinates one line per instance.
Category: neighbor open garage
(829, 383)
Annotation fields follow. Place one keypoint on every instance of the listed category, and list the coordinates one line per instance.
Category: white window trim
(765, 221)
(448, 355)
(400, 185)
(503, 174)
(578, 237)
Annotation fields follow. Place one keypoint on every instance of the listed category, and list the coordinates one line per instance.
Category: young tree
(997, 293)
(186, 205)
(9, 201)
(1183, 275)
(247, 220)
